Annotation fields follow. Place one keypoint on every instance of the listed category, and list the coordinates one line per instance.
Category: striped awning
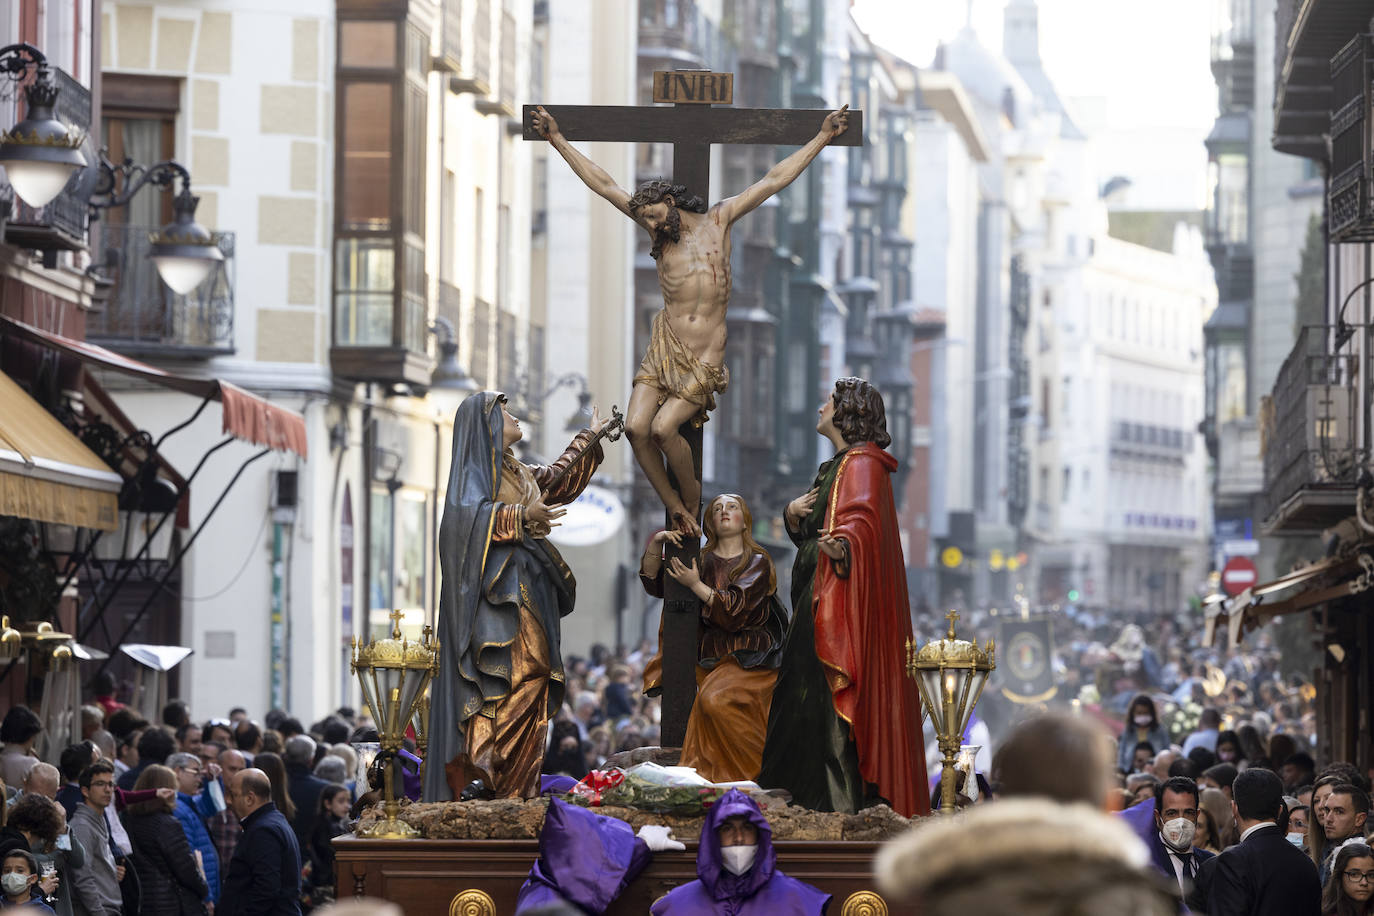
(46, 473)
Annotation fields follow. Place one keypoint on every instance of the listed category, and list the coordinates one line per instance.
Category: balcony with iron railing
(1313, 454)
(143, 317)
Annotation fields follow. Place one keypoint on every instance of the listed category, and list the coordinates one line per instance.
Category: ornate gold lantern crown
(951, 652)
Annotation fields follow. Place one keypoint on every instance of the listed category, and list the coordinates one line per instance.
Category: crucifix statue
(683, 369)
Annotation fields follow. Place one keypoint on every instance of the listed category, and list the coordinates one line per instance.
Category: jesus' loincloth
(676, 372)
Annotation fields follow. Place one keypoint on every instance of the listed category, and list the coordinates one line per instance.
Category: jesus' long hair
(751, 546)
(655, 192)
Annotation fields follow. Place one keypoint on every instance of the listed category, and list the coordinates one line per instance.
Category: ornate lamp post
(394, 674)
(950, 674)
(40, 153)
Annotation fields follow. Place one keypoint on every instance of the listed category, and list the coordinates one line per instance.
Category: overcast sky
(1148, 63)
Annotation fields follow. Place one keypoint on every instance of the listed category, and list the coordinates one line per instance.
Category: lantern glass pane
(935, 692)
(410, 692)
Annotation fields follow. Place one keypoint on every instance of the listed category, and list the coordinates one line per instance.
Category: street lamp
(950, 674)
(40, 153)
(184, 251)
(394, 674)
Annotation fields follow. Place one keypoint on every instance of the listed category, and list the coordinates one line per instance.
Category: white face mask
(1179, 833)
(1142, 721)
(14, 883)
(738, 859)
(1297, 839)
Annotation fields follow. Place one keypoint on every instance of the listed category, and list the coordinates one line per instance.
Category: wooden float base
(482, 877)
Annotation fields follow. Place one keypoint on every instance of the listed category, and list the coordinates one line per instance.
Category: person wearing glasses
(95, 886)
(1343, 817)
(1263, 874)
(195, 806)
(1349, 894)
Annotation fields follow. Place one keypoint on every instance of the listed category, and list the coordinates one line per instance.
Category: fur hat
(1028, 857)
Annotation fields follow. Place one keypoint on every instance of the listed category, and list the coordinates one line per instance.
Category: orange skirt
(729, 721)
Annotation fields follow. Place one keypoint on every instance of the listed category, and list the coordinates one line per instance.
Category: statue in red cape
(844, 729)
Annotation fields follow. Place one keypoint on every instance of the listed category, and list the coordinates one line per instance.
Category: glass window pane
(367, 44)
(380, 598)
(364, 299)
(413, 508)
(365, 186)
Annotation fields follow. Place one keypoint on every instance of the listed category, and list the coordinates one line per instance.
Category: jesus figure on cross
(684, 367)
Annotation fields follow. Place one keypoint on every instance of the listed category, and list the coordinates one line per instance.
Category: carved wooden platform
(482, 877)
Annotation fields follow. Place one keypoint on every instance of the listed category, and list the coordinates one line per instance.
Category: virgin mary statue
(505, 590)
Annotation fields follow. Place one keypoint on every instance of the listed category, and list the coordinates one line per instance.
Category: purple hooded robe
(584, 858)
(762, 890)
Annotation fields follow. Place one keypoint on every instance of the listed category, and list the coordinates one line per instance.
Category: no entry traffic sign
(1237, 575)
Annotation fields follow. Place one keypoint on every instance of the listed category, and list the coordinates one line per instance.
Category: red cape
(863, 622)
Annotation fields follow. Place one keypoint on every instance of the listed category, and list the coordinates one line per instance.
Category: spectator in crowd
(224, 827)
(170, 877)
(18, 731)
(176, 714)
(218, 731)
(331, 769)
(1172, 844)
(125, 722)
(303, 786)
(63, 855)
(1263, 875)
(19, 881)
(1204, 758)
(247, 737)
(264, 877)
(237, 714)
(103, 694)
(1162, 762)
(1221, 821)
(1221, 776)
(1058, 756)
(1298, 824)
(92, 721)
(74, 759)
(619, 701)
(95, 887)
(1349, 894)
(1142, 727)
(1228, 749)
(154, 746)
(192, 809)
(1252, 749)
(272, 765)
(1208, 730)
(1139, 787)
(34, 821)
(332, 821)
(189, 737)
(42, 779)
(1299, 769)
(1344, 814)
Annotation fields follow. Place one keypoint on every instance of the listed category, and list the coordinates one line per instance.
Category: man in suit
(1171, 844)
(264, 877)
(1263, 875)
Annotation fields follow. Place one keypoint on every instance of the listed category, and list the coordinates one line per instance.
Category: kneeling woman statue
(505, 591)
(742, 627)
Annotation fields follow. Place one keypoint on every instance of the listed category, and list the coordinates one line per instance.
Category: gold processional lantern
(950, 674)
(394, 674)
(419, 720)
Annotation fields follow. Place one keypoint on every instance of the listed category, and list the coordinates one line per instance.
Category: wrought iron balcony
(144, 317)
(1312, 449)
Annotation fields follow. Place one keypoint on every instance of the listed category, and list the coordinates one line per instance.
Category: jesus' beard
(670, 231)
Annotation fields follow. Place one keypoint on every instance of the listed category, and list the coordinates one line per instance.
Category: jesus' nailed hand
(684, 366)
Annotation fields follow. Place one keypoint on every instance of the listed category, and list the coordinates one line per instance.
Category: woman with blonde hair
(1221, 823)
(740, 645)
(172, 882)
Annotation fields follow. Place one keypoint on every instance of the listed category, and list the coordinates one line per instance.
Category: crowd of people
(225, 817)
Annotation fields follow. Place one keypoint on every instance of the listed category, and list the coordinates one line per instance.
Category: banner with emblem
(1027, 659)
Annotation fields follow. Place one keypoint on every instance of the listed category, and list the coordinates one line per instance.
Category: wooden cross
(691, 126)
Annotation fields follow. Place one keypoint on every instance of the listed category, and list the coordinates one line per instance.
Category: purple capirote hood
(586, 857)
(718, 881)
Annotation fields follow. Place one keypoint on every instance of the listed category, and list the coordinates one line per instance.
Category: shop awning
(246, 416)
(46, 473)
(1300, 590)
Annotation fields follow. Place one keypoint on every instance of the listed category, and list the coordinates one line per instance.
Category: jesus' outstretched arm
(592, 175)
(786, 171)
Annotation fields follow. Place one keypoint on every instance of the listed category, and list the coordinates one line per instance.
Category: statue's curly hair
(859, 412)
(653, 192)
